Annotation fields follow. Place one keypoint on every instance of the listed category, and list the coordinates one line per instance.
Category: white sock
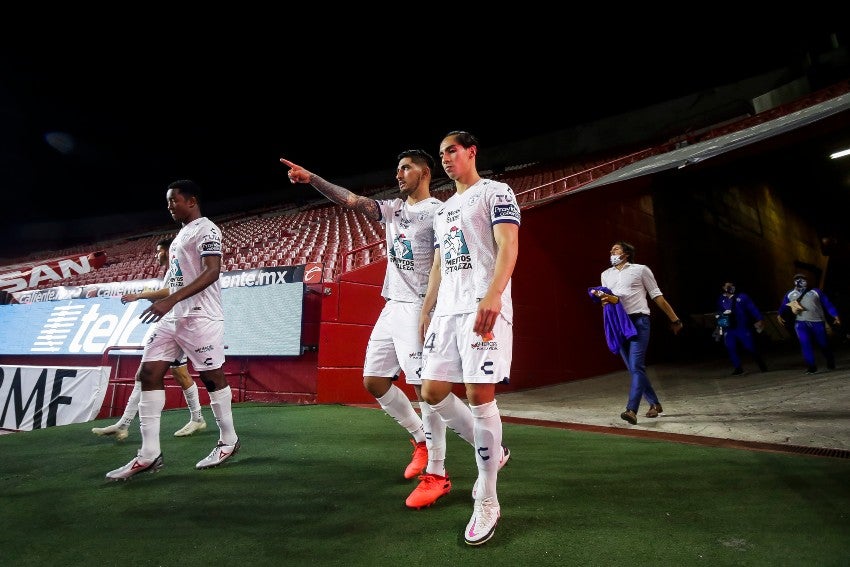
(488, 446)
(397, 406)
(435, 440)
(132, 407)
(220, 404)
(457, 417)
(193, 401)
(150, 413)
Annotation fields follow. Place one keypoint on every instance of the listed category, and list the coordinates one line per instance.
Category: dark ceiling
(89, 135)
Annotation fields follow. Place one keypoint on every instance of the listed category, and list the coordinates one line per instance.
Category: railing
(116, 381)
(552, 190)
(348, 260)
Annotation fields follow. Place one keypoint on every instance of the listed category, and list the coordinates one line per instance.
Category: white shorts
(395, 343)
(200, 338)
(453, 353)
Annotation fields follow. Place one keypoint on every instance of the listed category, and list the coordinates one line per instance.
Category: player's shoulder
(394, 202)
(429, 206)
(494, 185)
(207, 229)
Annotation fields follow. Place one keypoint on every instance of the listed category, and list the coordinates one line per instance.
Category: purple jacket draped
(616, 322)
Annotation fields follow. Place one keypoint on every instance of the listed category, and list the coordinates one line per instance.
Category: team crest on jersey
(455, 251)
(402, 247)
(175, 274)
(401, 253)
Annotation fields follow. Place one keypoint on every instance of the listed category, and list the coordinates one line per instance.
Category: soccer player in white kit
(191, 321)
(396, 339)
(178, 371)
(470, 337)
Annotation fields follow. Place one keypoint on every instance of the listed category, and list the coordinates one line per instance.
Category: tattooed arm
(335, 193)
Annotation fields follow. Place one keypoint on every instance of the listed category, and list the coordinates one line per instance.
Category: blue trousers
(634, 355)
(740, 337)
(811, 334)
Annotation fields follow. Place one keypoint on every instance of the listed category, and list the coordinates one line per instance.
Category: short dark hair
(165, 242)
(419, 157)
(187, 188)
(628, 250)
(463, 138)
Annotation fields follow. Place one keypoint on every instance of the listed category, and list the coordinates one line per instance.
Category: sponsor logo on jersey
(510, 211)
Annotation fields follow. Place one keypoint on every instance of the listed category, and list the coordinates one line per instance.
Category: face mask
(800, 283)
(615, 259)
(730, 289)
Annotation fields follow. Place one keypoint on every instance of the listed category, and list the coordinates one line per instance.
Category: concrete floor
(782, 409)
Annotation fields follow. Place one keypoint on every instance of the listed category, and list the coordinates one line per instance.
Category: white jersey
(199, 238)
(631, 285)
(463, 234)
(170, 316)
(410, 247)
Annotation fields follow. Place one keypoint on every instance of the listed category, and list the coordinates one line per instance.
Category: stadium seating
(343, 239)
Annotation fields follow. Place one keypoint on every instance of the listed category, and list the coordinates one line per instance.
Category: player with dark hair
(470, 338)
(191, 321)
(396, 339)
(179, 372)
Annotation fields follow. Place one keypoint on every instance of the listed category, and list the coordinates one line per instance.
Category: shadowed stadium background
(89, 137)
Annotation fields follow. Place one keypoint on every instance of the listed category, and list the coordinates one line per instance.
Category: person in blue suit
(808, 307)
(737, 316)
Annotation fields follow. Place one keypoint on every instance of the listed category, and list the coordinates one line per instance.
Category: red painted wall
(558, 335)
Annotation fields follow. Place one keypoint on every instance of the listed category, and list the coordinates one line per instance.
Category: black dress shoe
(737, 372)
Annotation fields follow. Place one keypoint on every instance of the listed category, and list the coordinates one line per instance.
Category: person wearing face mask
(630, 284)
(808, 307)
(736, 314)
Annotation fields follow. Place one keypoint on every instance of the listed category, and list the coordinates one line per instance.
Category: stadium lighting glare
(840, 154)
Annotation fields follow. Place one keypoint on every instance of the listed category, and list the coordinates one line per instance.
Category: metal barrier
(116, 381)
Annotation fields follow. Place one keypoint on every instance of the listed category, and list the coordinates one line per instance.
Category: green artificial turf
(323, 485)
